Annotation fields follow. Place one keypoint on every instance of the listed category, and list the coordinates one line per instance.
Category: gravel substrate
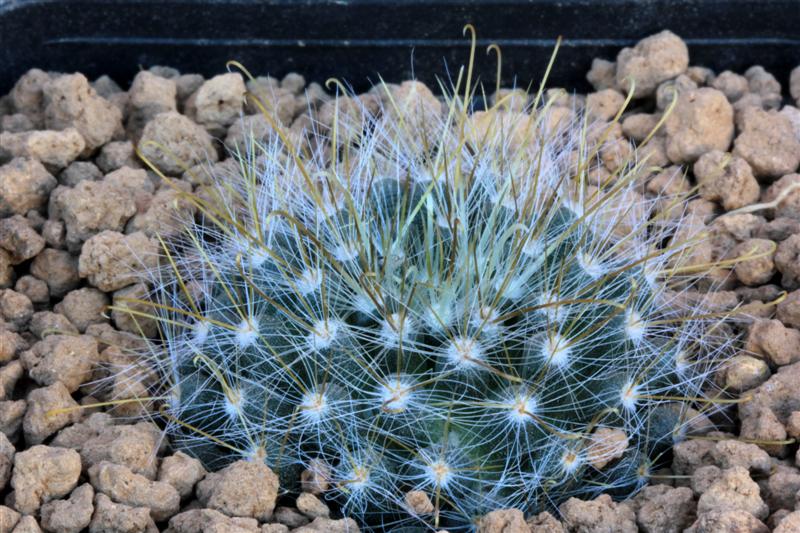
(79, 212)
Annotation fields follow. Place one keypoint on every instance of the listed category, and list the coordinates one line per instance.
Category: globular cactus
(423, 298)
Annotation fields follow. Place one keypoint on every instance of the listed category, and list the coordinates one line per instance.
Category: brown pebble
(744, 372)
(665, 509)
(134, 490)
(71, 515)
(767, 142)
(182, 472)
(503, 521)
(734, 490)
(755, 261)
(149, 95)
(789, 523)
(92, 207)
(129, 314)
(61, 358)
(7, 452)
(24, 185)
(43, 418)
(54, 149)
(732, 85)
(727, 521)
(782, 486)
(44, 323)
(602, 74)
(418, 502)
(8, 518)
(604, 105)
(11, 417)
(789, 206)
(654, 59)
(774, 341)
(57, 268)
(15, 308)
(219, 101)
(731, 452)
(79, 171)
(133, 446)
(726, 179)
(316, 478)
(111, 260)
(180, 138)
(117, 154)
(35, 289)
(71, 102)
(42, 474)
(110, 517)
(788, 310)
(202, 520)
(600, 514)
(27, 95)
(311, 506)
(702, 121)
(83, 307)
(248, 489)
(10, 374)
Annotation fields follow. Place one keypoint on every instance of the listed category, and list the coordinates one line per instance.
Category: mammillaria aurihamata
(423, 297)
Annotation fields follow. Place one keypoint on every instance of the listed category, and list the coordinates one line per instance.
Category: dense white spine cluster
(424, 298)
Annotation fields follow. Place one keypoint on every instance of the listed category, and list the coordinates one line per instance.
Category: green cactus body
(418, 318)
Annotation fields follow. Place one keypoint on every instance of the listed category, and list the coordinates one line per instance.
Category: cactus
(422, 297)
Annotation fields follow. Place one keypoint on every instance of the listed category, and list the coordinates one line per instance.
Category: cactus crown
(424, 298)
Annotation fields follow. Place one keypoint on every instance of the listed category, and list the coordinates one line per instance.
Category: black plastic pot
(356, 39)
